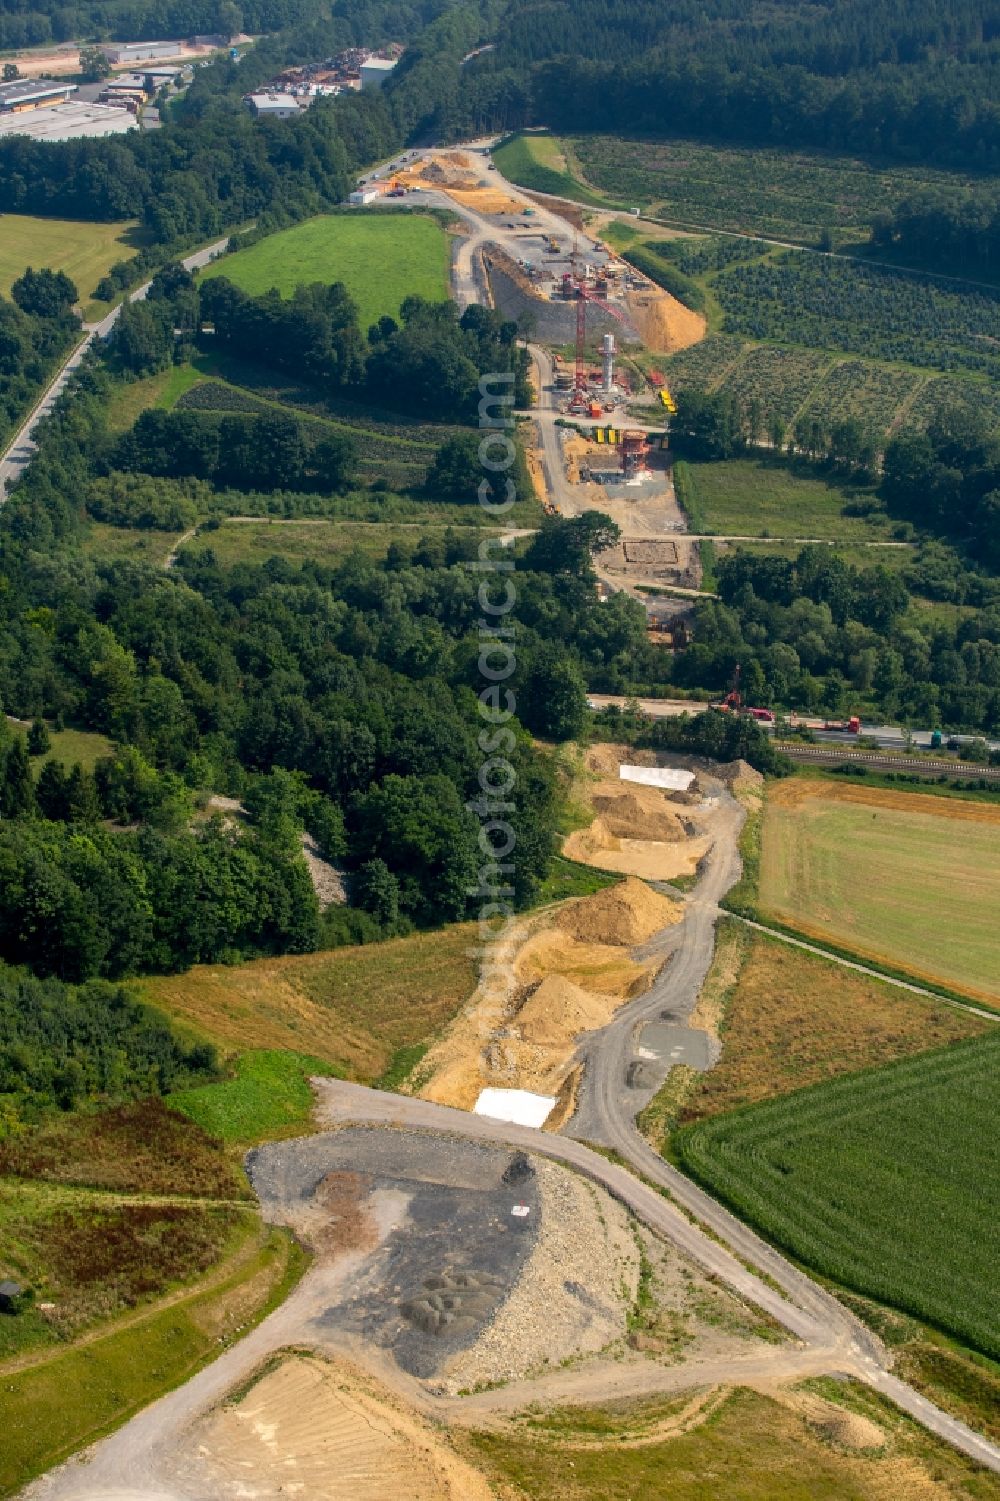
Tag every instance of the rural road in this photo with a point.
(18, 454)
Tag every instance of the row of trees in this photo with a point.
(430, 362)
(948, 480)
(718, 425)
(818, 635)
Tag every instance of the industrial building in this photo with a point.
(364, 195)
(32, 93)
(140, 52)
(273, 106)
(67, 122)
(375, 71)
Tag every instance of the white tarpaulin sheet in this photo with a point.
(658, 776)
(515, 1105)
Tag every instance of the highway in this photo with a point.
(19, 451)
(877, 736)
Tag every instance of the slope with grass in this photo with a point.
(380, 258)
(838, 1444)
(794, 1019)
(931, 887)
(884, 1180)
(350, 1008)
(537, 161)
(64, 1401)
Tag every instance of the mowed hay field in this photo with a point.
(884, 1180)
(909, 879)
(380, 258)
(84, 251)
(354, 1008)
(794, 1019)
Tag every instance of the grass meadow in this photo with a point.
(86, 252)
(903, 878)
(753, 498)
(380, 258)
(351, 1009)
(744, 1446)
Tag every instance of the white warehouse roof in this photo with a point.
(670, 777)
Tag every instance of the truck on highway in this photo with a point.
(850, 726)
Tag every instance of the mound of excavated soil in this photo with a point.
(573, 1295)
(651, 859)
(851, 1431)
(604, 760)
(631, 811)
(628, 913)
(593, 966)
(559, 1011)
(665, 324)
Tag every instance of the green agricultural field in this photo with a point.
(750, 497)
(793, 196)
(86, 252)
(884, 1180)
(380, 258)
(930, 892)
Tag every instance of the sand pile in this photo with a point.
(602, 967)
(630, 811)
(628, 913)
(664, 324)
(558, 1009)
(650, 859)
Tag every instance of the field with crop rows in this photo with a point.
(931, 892)
(783, 195)
(948, 390)
(780, 379)
(881, 1180)
(876, 395)
(702, 365)
(380, 258)
(827, 303)
(698, 255)
(400, 460)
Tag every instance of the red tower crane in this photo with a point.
(578, 281)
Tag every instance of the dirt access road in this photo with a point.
(140, 1462)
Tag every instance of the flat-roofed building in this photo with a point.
(33, 93)
(273, 106)
(375, 71)
(67, 122)
(140, 52)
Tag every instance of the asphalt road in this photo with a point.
(19, 452)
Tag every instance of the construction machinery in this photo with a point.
(575, 285)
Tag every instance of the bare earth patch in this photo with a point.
(317, 1430)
